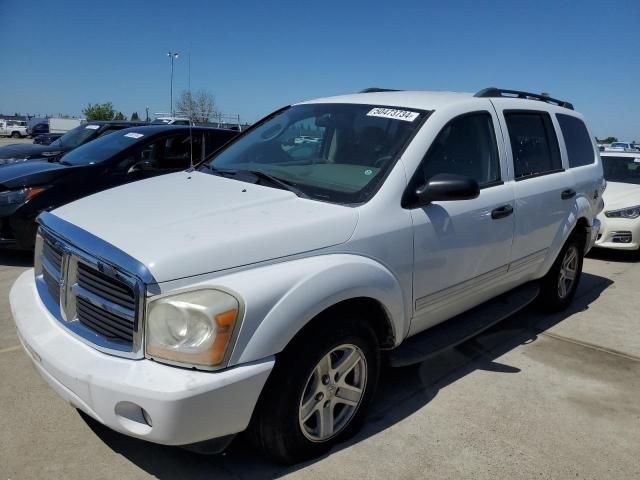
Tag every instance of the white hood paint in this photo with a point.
(190, 223)
(619, 195)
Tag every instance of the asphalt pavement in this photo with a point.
(534, 397)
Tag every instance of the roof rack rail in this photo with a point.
(376, 89)
(492, 92)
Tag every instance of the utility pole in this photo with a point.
(172, 56)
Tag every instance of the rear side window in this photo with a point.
(577, 140)
(465, 146)
(533, 143)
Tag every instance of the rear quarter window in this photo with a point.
(576, 138)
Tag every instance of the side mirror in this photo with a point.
(142, 165)
(443, 187)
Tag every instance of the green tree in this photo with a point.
(607, 140)
(135, 117)
(119, 116)
(99, 111)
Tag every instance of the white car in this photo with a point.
(260, 290)
(622, 147)
(13, 128)
(621, 216)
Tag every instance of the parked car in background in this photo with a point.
(67, 142)
(38, 128)
(621, 147)
(620, 219)
(259, 290)
(12, 128)
(171, 120)
(28, 188)
(46, 138)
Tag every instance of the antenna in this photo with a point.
(191, 115)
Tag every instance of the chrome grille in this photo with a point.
(110, 325)
(52, 266)
(107, 287)
(95, 300)
(104, 303)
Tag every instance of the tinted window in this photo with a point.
(465, 146)
(215, 139)
(577, 140)
(169, 152)
(621, 169)
(533, 143)
(77, 136)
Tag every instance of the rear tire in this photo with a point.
(319, 391)
(559, 285)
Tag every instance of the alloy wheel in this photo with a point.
(568, 272)
(333, 393)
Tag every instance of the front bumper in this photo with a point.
(140, 398)
(617, 228)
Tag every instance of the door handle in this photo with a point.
(567, 194)
(501, 212)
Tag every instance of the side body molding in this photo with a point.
(280, 299)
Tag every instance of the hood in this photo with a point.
(27, 151)
(37, 172)
(189, 223)
(619, 195)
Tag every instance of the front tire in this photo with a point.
(559, 285)
(16, 135)
(319, 391)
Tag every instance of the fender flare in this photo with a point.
(582, 209)
(282, 298)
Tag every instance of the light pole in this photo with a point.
(172, 56)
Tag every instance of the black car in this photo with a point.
(46, 138)
(28, 188)
(67, 142)
(40, 128)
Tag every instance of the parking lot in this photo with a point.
(9, 140)
(534, 397)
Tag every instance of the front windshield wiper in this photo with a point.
(261, 175)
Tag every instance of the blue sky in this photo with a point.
(255, 56)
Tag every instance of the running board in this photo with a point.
(462, 327)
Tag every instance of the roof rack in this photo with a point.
(376, 89)
(493, 92)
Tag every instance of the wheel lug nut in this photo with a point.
(325, 379)
(326, 404)
(319, 396)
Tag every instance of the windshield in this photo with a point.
(333, 152)
(75, 137)
(102, 149)
(622, 169)
(161, 121)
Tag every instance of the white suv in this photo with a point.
(261, 288)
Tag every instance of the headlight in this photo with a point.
(6, 161)
(192, 328)
(23, 195)
(631, 212)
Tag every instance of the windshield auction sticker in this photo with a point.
(134, 135)
(92, 127)
(405, 115)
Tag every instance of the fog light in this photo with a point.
(133, 418)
